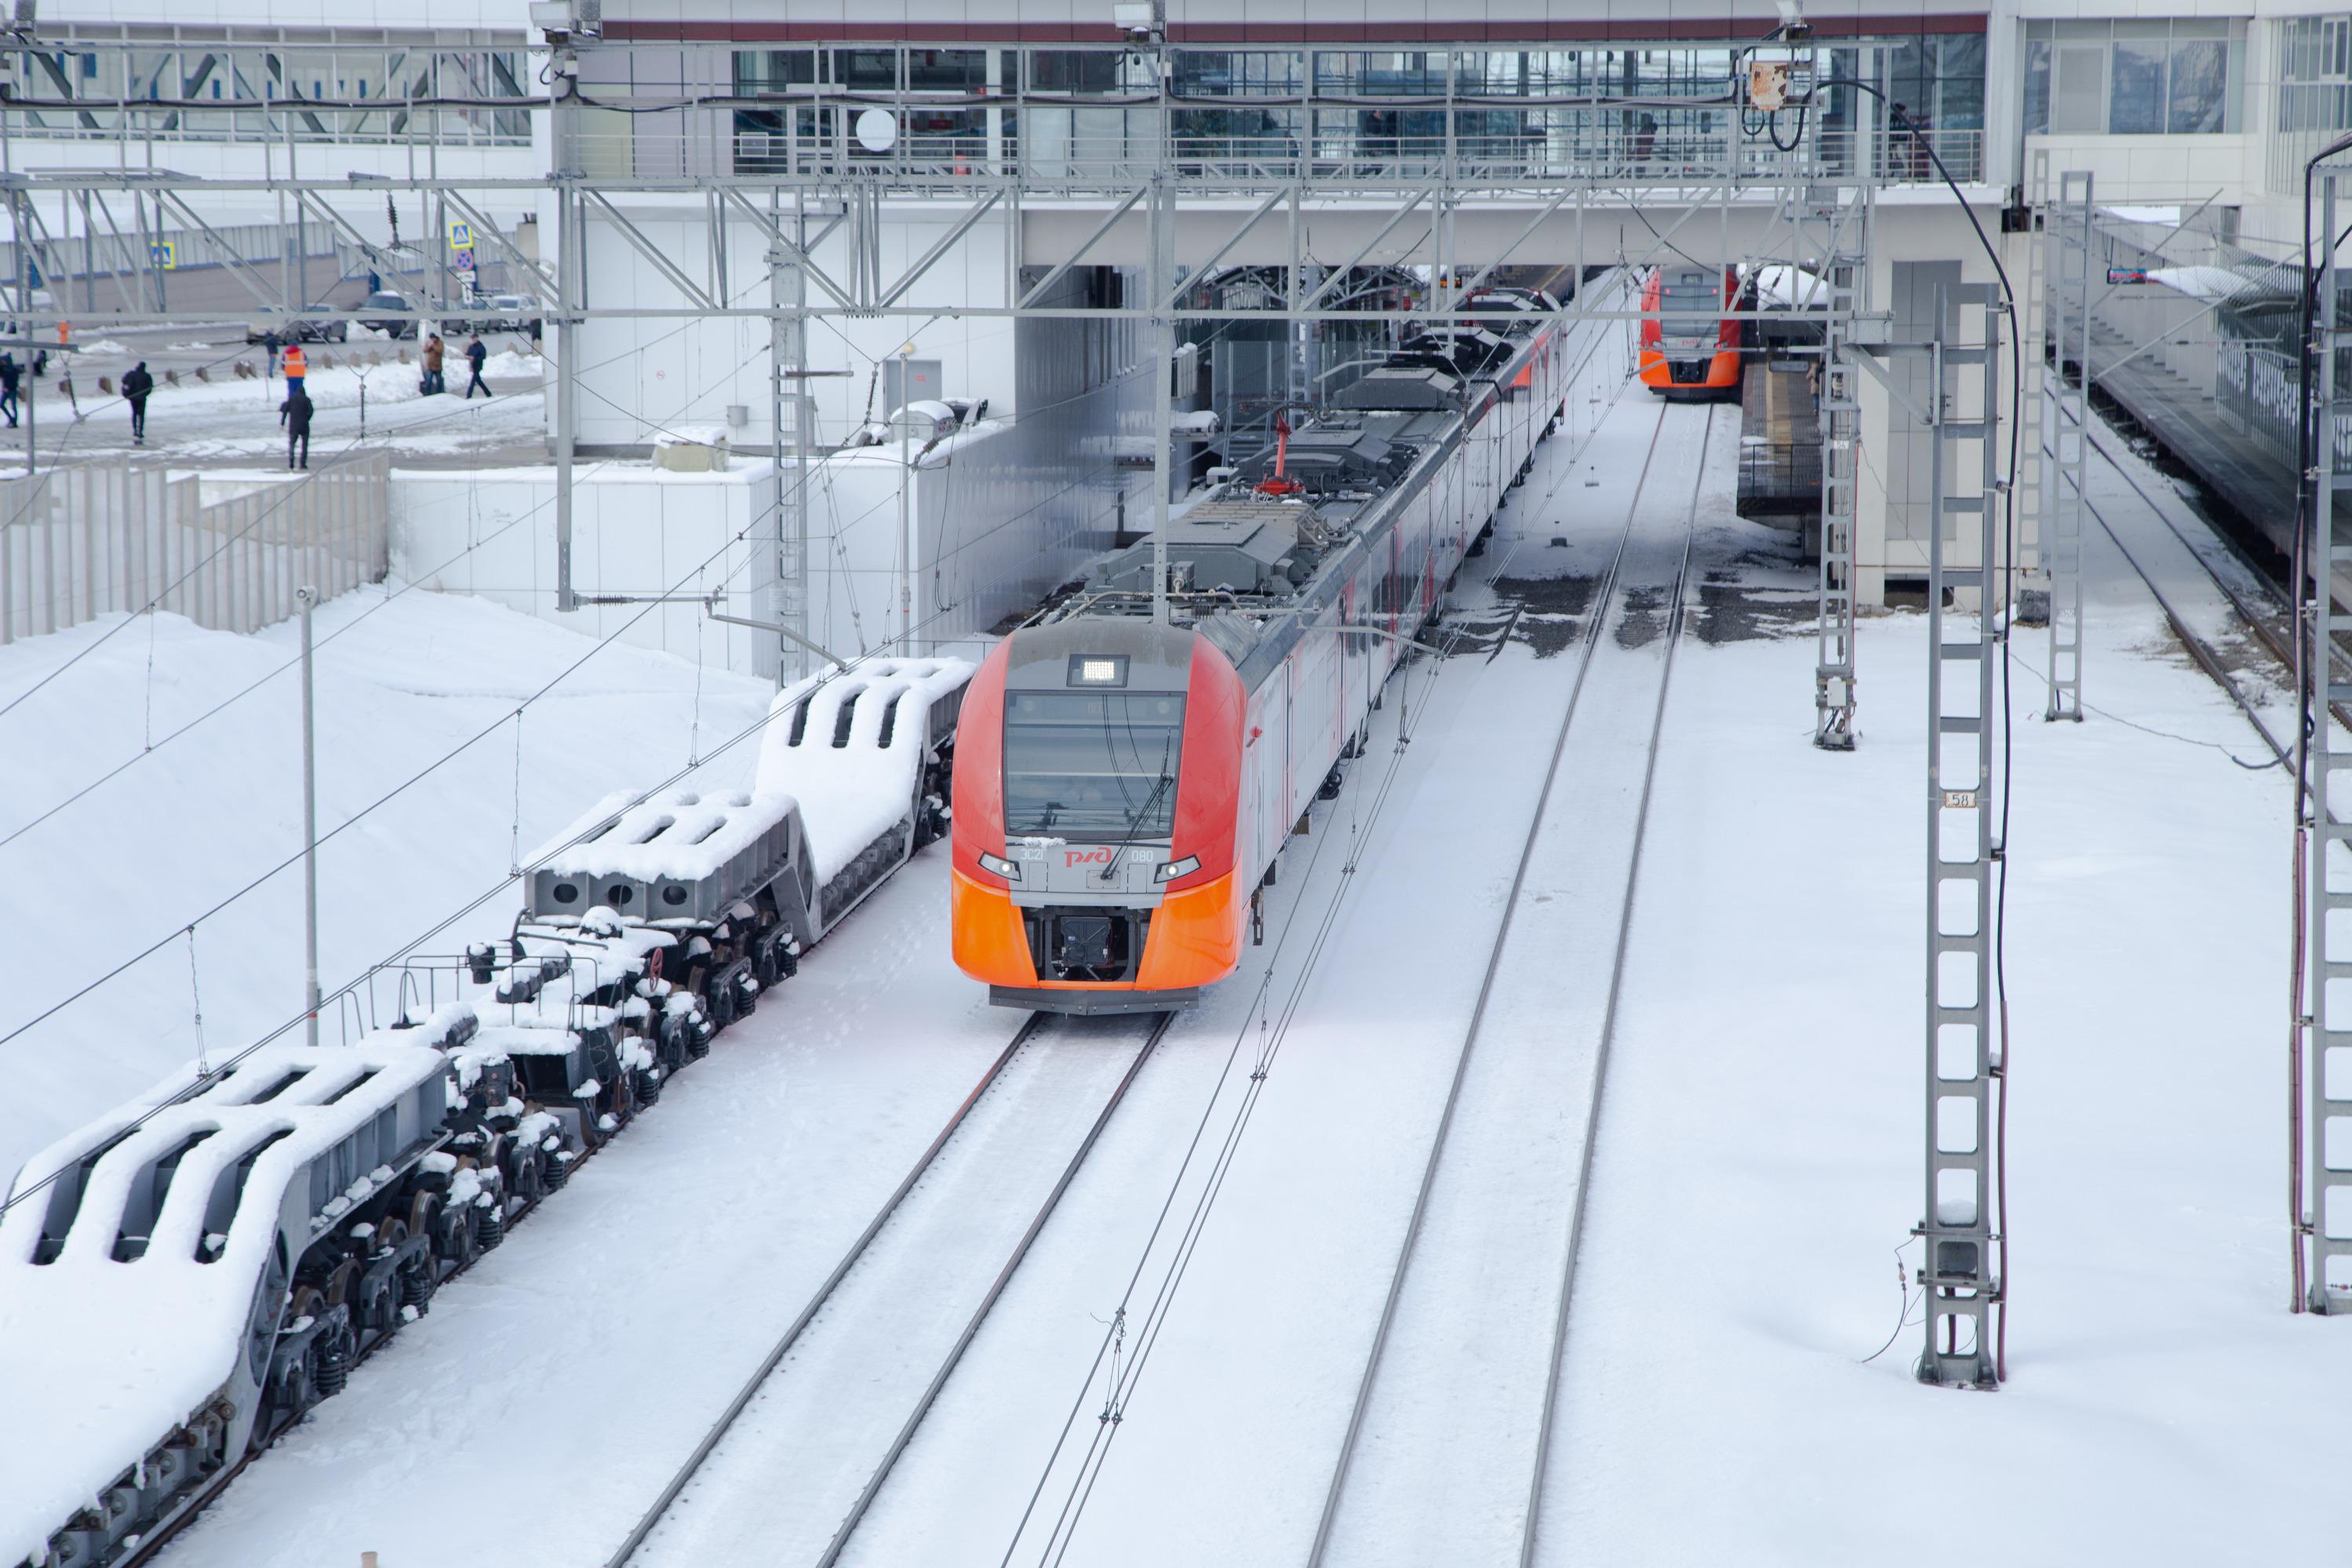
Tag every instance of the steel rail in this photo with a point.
(2198, 649)
(2251, 615)
(857, 1510)
(1604, 593)
(823, 1293)
(1675, 615)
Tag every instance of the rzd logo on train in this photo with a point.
(1102, 857)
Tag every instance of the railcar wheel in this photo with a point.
(453, 1235)
(530, 1179)
(337, 1287)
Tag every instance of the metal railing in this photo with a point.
(112, 538)
(1598, 154)
(1779, 478)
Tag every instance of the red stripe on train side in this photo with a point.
(979, 820)
(1209, 778)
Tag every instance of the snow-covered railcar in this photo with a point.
(1126, 785)
(182, 1279)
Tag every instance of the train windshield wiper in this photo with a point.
(1135, 821)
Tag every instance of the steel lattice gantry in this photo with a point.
(1845, 266)
(2067, 436)
(2322, 1067)
(1961, 1223)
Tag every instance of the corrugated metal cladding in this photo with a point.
(1262, 22)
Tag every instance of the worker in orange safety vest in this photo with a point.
(295, 369)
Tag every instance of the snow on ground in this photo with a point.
(1759, 1160)
(580, 1363)
(228, 418)
(1758, 1166)
(400, 681)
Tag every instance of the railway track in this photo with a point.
(2200, 649)
(1417, 1363)
(2268, 624)
(789, 1469)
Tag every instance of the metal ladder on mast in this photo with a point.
(2065, 437)
(1843, 265)
(1961, 1227)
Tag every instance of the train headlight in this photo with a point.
(1000, 866)
(1175, 869)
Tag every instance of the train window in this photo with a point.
(1092, 766)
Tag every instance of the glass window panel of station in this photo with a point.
(759, 72)
(2182, 75)
(947, 70)
(1076, 72)
(1238, 73)
(2136, 95)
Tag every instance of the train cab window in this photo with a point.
(1690, 306)
(1092, 766)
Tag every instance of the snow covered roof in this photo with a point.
(676, 833)
(678, 855)
(101, 1358)
(852, 758)
(2227, 286)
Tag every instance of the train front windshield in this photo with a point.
(1690, 307)
(1091, 765)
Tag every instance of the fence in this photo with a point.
(100, 538)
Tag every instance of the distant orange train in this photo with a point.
(1690, 350)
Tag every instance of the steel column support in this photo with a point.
(1961, 1225)
(2065, 452)
(1843, 267)
(1161, 284)
(2324, 1126)
(570, 235)
(787, 390)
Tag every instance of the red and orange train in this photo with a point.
(1124, 785)
(1690, 351)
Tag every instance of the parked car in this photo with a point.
(500, 313)
(387, 300)
(45, 306)
(319, 323)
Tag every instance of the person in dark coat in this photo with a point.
(136, 386)
(11, 374)
(475, 355)
(294, 414)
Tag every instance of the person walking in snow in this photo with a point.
(475, 355)
(136, 386)
(11, 374)
(294, 414)
(295, 367)
(434, 349)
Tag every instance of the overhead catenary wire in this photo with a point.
(284, 494)
(22, 1193)
(405, 589)
(1154, 1314)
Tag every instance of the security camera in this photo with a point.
(1793, 29)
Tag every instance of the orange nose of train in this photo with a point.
(1096, 818)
